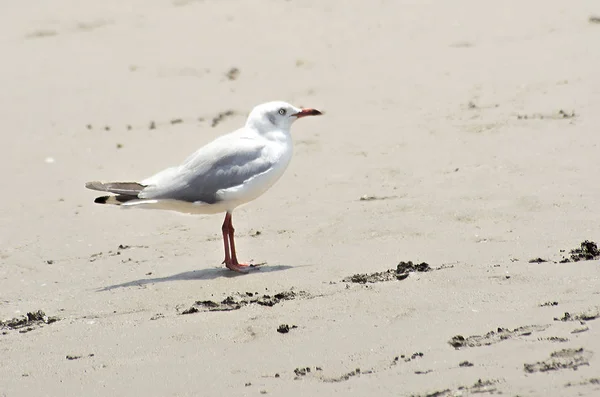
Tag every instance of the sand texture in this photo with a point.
(426, 239)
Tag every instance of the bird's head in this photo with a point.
(277, 115)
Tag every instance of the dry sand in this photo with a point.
(455, 117)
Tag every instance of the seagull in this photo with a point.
(232, 170)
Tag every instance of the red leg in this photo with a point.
(233, 264)
(225, 229)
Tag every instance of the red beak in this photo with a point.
(307, 112)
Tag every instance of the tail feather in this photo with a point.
(124, 191)
(125, 188)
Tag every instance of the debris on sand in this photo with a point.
(345, 376)
(72, 357)
(284, 328)
(406, 267)
(121, 247)
(492, 337)
(28, 322)
(412, 357)
(561, 114)
(587, 251)
(437, 393)
(233, 74)
(376, 277)
(479, 387)
(589, 315)
(580, 330)
(303, 372)
(562, 359)
(549, 303)
(591, 381)
(239, 300)
(368, 197)
(537, 260)
(566, 115)
(556, 339)
(405, 358)
(400, 273)
(221, 116)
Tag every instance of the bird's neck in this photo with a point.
(275, 134)
(278, 135)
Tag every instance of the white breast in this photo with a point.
(280, 151)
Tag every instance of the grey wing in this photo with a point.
(218, 166)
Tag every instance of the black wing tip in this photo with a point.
(117, 200)
(101, 200)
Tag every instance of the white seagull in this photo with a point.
(230, 171)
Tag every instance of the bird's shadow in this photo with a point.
(202, 274)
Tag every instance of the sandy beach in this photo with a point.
(459, 136)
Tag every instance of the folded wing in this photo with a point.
(222, 164)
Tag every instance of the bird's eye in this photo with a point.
(282, 112)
